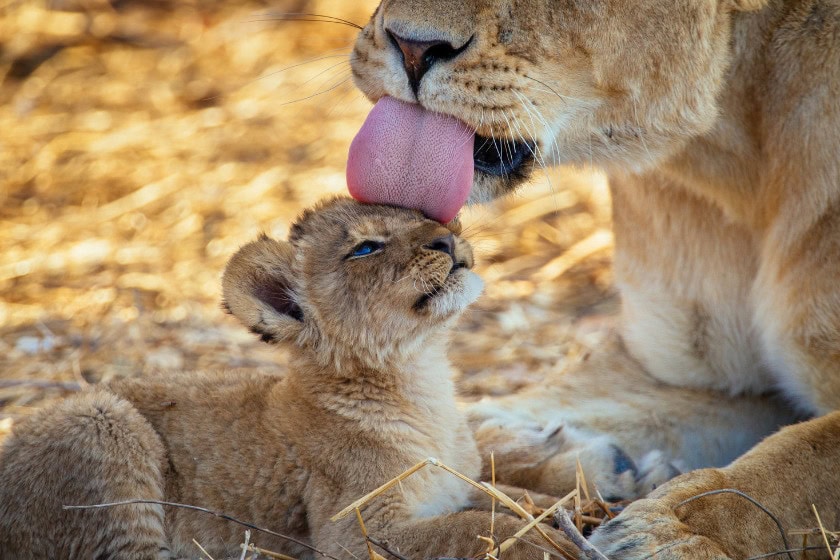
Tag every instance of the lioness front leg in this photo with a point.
(786, 474)
(630, 432)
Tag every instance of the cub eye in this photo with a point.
(365, 248)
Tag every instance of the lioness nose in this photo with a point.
(444, 244)
(419, 56)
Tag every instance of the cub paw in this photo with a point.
(650, 529)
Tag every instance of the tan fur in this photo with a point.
(368, 394)
(779, 474)
(717, 121)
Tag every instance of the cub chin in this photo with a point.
(362, 297)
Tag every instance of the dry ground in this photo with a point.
(141, 143)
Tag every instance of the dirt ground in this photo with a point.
(141, 143)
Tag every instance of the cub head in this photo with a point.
(619, 84)
(354, 282)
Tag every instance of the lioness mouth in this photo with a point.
(500, 157)
(405, 155)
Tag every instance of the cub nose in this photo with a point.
(419, 56)
(444, 244)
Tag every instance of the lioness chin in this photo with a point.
(363, 297)
(718, 122)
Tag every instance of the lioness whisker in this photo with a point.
(534, 110)
(535, 151)
(309, 61)
(552, 90)
(344, 103)
(325, 70)
(493, 139)
(512, 134)
(304, 16)
(331, 88)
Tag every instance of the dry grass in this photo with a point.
(585, 515)
(142, 144)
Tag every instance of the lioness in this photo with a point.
(717, 122)
(363, 296)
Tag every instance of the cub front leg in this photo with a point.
(785, 474)
(392, 520)
(456, 535)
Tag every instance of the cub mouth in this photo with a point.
(453, 282)
(500, 157)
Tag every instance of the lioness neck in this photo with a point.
(725, 165)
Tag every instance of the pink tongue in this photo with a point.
(407, 156)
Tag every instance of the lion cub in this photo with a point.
(363, 296)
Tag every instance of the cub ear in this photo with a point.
(259, 289)
(749, 5)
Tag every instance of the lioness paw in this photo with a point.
(521, 446)
(649, 529)
(607, 467)
(655, 469)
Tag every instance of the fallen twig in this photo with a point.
(382, 545)
(570, 529)
(750, 499)
(831, 553)
(533, 524)
(224, 516)
(786, 551)
(483, 486)
(201, 548)
(245, 545)
(270, 553)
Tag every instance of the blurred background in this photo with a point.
(142, 142)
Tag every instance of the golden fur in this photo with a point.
(717, 122)
(368, 394)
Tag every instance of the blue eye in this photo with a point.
(366, 248)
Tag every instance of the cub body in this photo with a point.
(363, 297)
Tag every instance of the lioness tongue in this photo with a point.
(407, 156)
